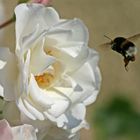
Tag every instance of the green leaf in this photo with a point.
(22, 1)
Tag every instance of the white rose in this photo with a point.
(53, 74)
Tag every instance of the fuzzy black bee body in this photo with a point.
(125, 47)
(121, 45)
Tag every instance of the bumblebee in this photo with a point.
(125, 47)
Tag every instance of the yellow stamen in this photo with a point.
(49, 52)
(45, 80)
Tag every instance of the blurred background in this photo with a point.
(116, 113)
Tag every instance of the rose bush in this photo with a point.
(53, 74)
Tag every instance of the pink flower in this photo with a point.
(14, 133)
(45, 2)
(5, 131)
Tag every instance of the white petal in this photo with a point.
(8, 73)
(23, 78)
(59, 107)
(38, 95)
(72, 121)
(79, 111)
(71, 55)
(60, 103)
(90, 80)
(61, 120)
(79, 30)
(71, 89)
(93, 61)
(72, 48)
(92, 98)
(83, 124)
(40, 61)
(29, 15)
(67, 91)
(53, 101)
(85, 76)
(75, 118)
(39, 125)
(28, 41)
(24, 110)
(58, 35)
(66, 85)
(33, 110)
(24, 132)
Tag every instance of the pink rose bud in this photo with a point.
(45, 2)
(22, 132)
(5, 131)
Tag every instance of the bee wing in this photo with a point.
(105, 45)
(135, 38)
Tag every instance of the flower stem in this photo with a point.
(4, 24)
(11, 20)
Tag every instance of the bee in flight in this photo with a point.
(125, 47)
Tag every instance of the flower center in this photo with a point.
(52, 74)
(45, 80)
(49, 52)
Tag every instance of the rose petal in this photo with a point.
(79, 111)
(28, 41)
(38, 95)
(59, 107)
(45, 2)
(29, 15)
(90, 80)
(23, 65)
(8, 74)
(32, 108)
(24, 110)
(40, 61)
(79, 30)
(58, 35)
(72, 58)
(5, 131)
(37, 124)
(70, 122)
(50, 101)
(24, 132)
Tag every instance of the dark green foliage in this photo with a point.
(22, 1)
(117, 119)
